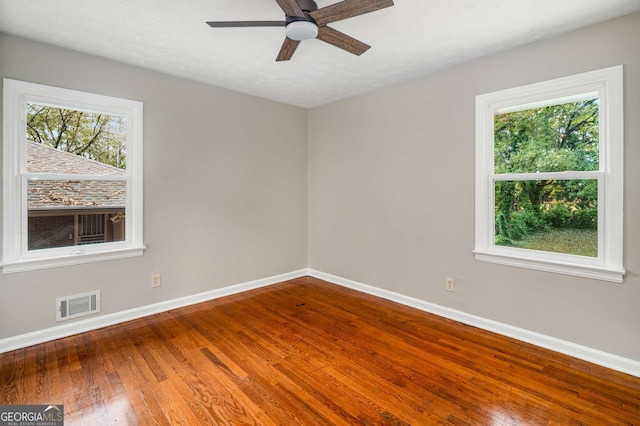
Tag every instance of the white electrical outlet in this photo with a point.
(450, 284)
(156, 280)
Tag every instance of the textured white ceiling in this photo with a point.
(410, 39)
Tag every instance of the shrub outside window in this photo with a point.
(549, 176)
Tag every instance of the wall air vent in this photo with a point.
(79, 305)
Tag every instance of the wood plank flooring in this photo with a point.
(306, 352)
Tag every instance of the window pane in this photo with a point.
(554, 138)
(70, 141)
(559, 216)
(66, 213)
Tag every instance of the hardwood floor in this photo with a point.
(306, 352)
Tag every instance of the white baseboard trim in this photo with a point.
(595, 356)
(94, 323)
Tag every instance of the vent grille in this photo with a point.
(78, 305)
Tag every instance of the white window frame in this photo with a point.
(607, 85)
(15, 255)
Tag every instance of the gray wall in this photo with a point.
(225, 192)
(391, 190)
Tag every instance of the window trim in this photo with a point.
(607, 83)
(15, 255)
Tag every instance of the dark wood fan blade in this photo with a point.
(341, 40)
(347, 9)
(290, 8)
(232, 24)
(288, 48)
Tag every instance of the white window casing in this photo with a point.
(607, 85)
(16, 257)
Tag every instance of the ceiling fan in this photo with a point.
(304, 21)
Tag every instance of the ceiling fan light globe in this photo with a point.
(301, 30)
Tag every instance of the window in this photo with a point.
(549, 176)
(72, 177)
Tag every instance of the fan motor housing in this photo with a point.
(307, 5)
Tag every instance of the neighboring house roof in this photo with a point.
(71, 194)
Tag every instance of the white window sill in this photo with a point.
(23, 265)
(602, 273)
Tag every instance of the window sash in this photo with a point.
(598, 261)
(73, 250)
